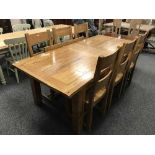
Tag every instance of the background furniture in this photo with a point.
(116, 29)
(6, 25)
(20, 27)
(18, 51)
(134, 28)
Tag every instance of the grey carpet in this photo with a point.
(133, 114)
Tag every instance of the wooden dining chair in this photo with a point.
(116, 29)
(37, 41)
(98, 90)
(134, 28)
(20, 27)
(81, 30)
(62, 34)
(18, 51)
(134, 56)
(118, 77)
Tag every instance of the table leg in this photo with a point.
(36, 90)
(78, 110)
(2, 76)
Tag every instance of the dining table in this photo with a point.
(19, 34)
(68, 70)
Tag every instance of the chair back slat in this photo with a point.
(81, 28)
(62, 32)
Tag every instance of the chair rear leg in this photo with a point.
(2, 76)
(16, 74)
(89, 117)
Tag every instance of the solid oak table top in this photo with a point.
(143, 27)
(19, 34)
(71, 67)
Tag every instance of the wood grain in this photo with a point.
(69, 68)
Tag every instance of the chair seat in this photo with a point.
(118, 77)
(98, 95)
(132, 65)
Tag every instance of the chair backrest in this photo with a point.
(102, 75)
(81, 28)
(123, 59)
(48, 22)
(1, 30)
(17, 48)
(26, 26)
(138, 48)
(20, 27)
(134, 27)
(34, 40)
(61, 33)
(116, 29)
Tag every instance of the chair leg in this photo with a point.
(7, 68)
(121, 87)
(89, 117)
(2, 76)
(103, 107)
(110, 98)
(16, 74)
(130, 76)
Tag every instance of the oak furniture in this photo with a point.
(134, 56)
(116, 29)
(81, 29)
(120, 69)
(134, 28)
(35, 40)
(62, 34)
(68, 70)
(99, 88)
